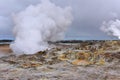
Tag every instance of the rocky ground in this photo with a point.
(87, 60)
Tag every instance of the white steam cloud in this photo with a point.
(36, 25)
(112, 28)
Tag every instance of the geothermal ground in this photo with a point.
(68, 60)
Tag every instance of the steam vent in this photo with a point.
(59, 39)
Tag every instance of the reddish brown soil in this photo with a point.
(4, 49)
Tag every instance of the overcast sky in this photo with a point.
(88, 16)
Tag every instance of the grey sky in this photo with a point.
(88, 16)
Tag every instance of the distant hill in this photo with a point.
(5, 41)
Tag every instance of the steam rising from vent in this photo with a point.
(112, 28)
(37, 25)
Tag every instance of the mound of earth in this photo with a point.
(86, 60)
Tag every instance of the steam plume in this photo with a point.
(37, 25)
(112, 28)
